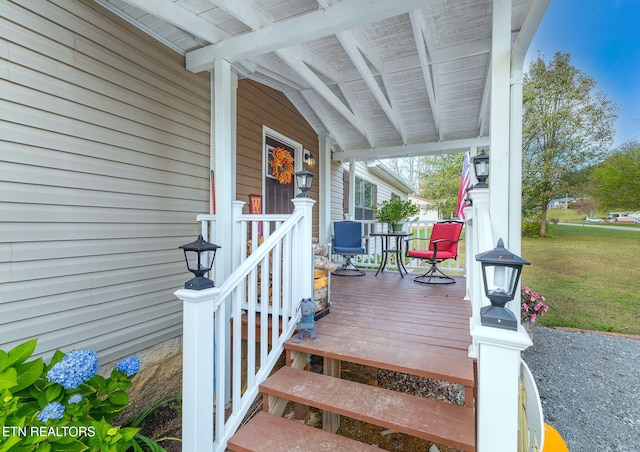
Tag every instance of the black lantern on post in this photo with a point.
(199, 256)
(481, 168)
(504, 269)
(304, 179)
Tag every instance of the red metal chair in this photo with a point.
(443, 245)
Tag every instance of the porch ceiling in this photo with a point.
(383, 78)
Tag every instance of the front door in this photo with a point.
(278, 193)
(278, 196)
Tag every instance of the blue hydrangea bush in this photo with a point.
(65, 405)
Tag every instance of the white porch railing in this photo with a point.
(217, 393)
(419, 229)
(498, 350)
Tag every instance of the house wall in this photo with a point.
(384, 189)
(258, 106)
(104, 164)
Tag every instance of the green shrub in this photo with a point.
(65, 405)
(530, 228)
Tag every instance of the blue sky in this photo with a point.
(603, 38)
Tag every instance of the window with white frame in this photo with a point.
(365, 199)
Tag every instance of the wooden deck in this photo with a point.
(390, 323)
(388, 308)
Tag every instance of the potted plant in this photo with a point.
(394, 211)
(532, 306)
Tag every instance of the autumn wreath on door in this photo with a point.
(282, 165)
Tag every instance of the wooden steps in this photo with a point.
(433, 362)
(430, 420)
(423, 418)
(266, 432)
(384, 323)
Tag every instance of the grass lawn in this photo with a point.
(589, 276)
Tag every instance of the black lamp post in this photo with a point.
(481, 168)
(505, 268)
(199, 256)
(304, 179)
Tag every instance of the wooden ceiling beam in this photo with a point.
(314, 81)
(411, 150)
(418, 26)
(318, 24)
(358, 60)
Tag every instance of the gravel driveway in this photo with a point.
(589, 384)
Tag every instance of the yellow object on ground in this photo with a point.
(553, 442)
(320, 282)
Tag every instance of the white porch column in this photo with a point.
(498, 374)
(480, 241)
(223, 151)
(223, 165)
(239, 242)
(352, 190)
(515, 166)
(515, 172)
(520, 47)
(469, 246)
(303, 288)
(324, 187)
(499, 152)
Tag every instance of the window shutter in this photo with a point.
(345, 192)
(375, 200)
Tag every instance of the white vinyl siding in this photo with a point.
(383, 189)
(104, 165)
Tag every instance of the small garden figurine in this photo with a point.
(307, 322)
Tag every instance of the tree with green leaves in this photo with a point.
(615, 183)
(441, 180)
(566, 126)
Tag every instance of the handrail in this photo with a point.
(210, 373)
(261, 252)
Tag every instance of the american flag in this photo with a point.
(465, 181)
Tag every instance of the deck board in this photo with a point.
(388, 307)
(396, 324)
(416, 416)
(267, 432)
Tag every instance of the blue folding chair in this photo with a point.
(347, 240)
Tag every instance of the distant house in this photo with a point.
(560, 203)
(428, 211)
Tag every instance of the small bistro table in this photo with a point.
(387, 248)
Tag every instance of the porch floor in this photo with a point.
(387, 308)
